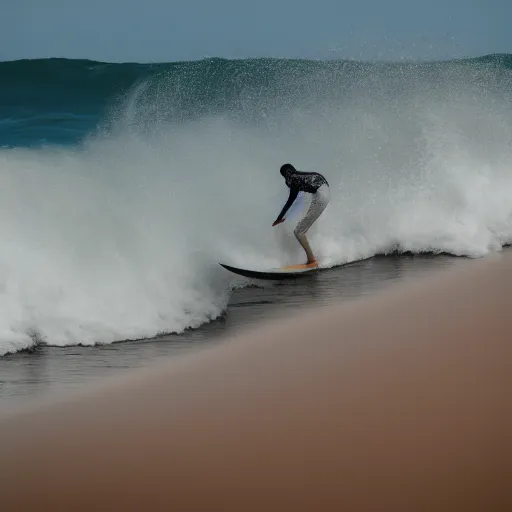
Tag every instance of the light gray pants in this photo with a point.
(319, 201)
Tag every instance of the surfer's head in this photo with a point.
(286, 170)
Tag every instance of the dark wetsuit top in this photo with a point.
(299, 181)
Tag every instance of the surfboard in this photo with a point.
(290, 272)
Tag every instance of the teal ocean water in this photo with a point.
(124, 185)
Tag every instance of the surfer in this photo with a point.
(316, 185)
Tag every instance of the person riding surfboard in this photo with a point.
(312, 183)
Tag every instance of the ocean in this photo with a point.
(124, 185)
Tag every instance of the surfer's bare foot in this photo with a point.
(312, 263)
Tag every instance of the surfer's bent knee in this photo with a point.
(298, 233)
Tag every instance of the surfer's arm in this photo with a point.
(294, 192)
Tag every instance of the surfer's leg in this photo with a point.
(303, 241)
(318, 204)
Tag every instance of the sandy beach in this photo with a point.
(401, 403)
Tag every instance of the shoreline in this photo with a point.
(400, 399)
(49, 369)
(171, 334)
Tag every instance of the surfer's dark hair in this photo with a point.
(287, 169)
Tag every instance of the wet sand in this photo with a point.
(394, 401)
(49, 370)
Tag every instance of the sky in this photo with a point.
(174, 30)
